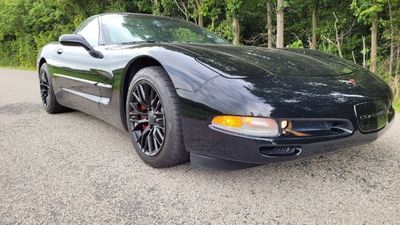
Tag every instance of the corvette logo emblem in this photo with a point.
(350, 82)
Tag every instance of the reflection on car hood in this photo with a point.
(290, 75)
(256, 62)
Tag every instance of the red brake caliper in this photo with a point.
(143, 109)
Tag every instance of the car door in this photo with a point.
(75, 72)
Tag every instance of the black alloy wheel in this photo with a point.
(44, 88)
(147, 118)
(153, 118)
(47, 95)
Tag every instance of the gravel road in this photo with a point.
(72, 168)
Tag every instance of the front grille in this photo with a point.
(280, 151)
(302, 128)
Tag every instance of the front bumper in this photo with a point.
(203, 141)
(288, 99)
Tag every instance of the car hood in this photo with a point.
(301, 70)
(311, 80)
(257, 62)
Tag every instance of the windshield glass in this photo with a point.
(126, 28)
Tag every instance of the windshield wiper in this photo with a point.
(137, 42)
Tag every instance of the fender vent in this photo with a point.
(280, 151)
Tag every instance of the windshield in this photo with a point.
(130, 28)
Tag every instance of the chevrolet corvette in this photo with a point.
(183, 93)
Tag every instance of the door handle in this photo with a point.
(59, 51)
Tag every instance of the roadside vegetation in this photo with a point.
(366, 32)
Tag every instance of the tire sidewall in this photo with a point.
(172, 139)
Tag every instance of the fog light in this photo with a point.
(284, 124)
(252, 126)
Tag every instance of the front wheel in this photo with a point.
(47, 95)
(153, 118)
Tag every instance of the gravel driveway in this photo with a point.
(72, 168)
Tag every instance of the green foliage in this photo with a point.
(296, 44)
(224, 29)
(145, 6)
(396, 104)
(27, 25)
(233, 7)
(366, 9)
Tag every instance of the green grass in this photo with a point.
(18, 67)
(396, 104)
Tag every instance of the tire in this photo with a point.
(163, 119)
(49, 101)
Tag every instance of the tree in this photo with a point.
(233, 7)
(214, 14)
(183, 7)
(280, 24)
(314, 22)
(374, 43)
(367, 11)
(156, 7)
(269, 24)
(392, 35)
(201, 6)
(338, 39)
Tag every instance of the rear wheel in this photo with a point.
(153, 119)
(47, 95)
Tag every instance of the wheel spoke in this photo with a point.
(135, 108)
(150, 142)
(159, 121)
(157, 140)
(142, 137)
(161, 128)
(44, 88)
(146, 144)
(160, 135)
(42, 76)
(152, 97)
(137, 98)
(142, 93)
(156, 144)
(157, 108)
(45, 77)
(138, 123)
(137, 113)
(147, 98)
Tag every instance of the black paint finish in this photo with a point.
(225, 79)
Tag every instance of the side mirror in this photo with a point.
(78, 40)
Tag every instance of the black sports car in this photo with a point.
(182, 91)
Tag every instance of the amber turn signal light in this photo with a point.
(245, 125)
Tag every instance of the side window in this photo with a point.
(90, 31)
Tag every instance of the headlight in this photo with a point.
(252, 126)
